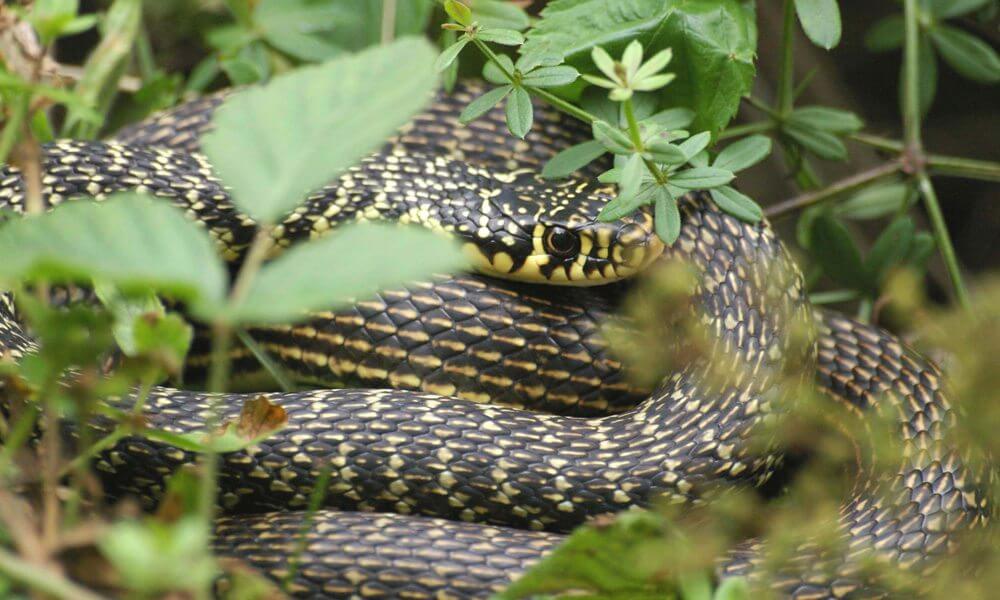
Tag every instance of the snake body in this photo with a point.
(458, 498)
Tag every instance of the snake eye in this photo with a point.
(561, 242)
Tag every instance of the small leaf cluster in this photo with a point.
(968, 55)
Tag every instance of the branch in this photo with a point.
(941, 164)
(835, 189)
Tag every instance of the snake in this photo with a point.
(490, 417)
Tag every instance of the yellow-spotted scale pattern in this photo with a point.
(415, 453)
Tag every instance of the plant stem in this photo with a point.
(786, 83)
(388, 30)
(567, 107)
(273, 368)
(748, 129)
(46, 581)
(636, 135)
(911, 77)
(316, 498)
(17, 436)
(19, 112)
(834, 189)
(943, 238)
(942, 164)
(833, 297)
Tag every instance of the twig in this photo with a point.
(943, 238)
(942, 164)
(388, 21)
(835, 189)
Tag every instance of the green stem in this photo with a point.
(748, 129)
(943, 238)
(636, 135)
(911, 77)
(834, 296)
(19, 112)
(39, 579)
(786, 83)
(557, 102)
(865, 310)
(942, 164)
(315, 501)
(835, 189)
(273, 368)
(18, 435)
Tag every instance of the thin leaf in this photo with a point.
(701, 178)
(820, 20)
(666, 217)
(504, 37)
(551, 76)
(492, 72)
(520, 113)
(449, 54)
(612, 138)
(696, 144)
(947, 9)
(352, 263)
(890, 249)
(886, 34)
(482, 105)
(666, 153)
(826, 119)
(832, 247)
(458, 11)
(743, 154)
(821, 143)
(672, 118)
(967, 54)
(737, 204)
(572, 159)
(271, 145)
(875, 201)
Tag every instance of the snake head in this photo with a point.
(559, 240)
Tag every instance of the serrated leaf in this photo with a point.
(353, 262)
(874, 202)
(713, 42)
(504, 37)
(970, 56)
(695, 144)
(891, 248)
(666, 217)
(820, 20)
(130, 241)
(449, 54)
(834, 249)
(701, 178)
(886, 34)
(573, 158)
(821, 143)
(743, 154)
(826, 119)
(612, 138)
(520, 113)
(551, 76)
(271, 144)
(484, 103)
(737, 204)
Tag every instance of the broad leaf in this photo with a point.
(132, 242)
(714, 42)
(520, 113)
(666, 217)
(304, 28)
(273, 145)
(353, 262)
(820, 20)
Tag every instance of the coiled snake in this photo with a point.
(434, 495)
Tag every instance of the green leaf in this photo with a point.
(481, 105)
(891, 248)
(832, 247)
(153, 558)
(735, 588)
(886, 34)
(821, 143)
(504, 37)
(98, 85)
(820, 20)
(458, 11)
(666, 217)
(744, 153)
(572, 159)
(304, 29)
(493, 74)
(670, 119)
(928, 74)
(612, 138)
(130, 241)
(695, 586)
(551, 76)
(946, 9)
(271, 145)
(921, 250)
(701, 178)
(630, 188)
(826, 119)
(631, 178)
(695, 144)
(165, 338)
(501, 14)
(449, 54)
(353, 262)
(875, 201)
(125, 311)
(967, 54)
(520, 113)
(737, 204)
(666, 153)
(241, 71)
(714, 44)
